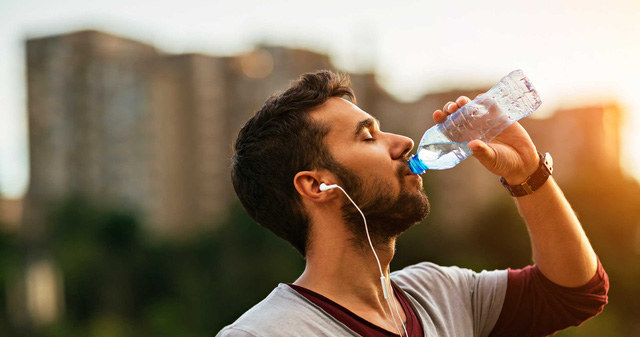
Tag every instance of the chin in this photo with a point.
(389, 218)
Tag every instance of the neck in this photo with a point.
(348, 273)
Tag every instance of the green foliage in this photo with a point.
(117, 282)
(8, 267)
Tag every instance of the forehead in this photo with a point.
(340, 115)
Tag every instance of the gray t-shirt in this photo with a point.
(449, 301)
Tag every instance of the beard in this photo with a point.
(387, 215)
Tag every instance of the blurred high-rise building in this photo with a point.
(586, 140)
(88, 104)
(116, 120)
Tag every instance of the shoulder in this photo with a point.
(430, 276)
(280, 305)
(459, 300)
(282, 309)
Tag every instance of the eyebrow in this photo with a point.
(365, 124)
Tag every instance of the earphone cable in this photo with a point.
(395, 304)
(383, 279)
(367, 231)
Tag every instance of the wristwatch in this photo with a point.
(535, 181)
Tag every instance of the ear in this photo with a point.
(307, 183)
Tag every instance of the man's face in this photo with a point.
(372, 167)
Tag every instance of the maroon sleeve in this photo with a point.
(535, 306)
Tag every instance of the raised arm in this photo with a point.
(561, 249)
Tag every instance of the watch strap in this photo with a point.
(535, 180)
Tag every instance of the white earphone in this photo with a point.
(386, 286)
(325, 187)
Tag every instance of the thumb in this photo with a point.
(485, 154)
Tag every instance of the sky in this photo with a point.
(575, 52)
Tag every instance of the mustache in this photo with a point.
(403, 166)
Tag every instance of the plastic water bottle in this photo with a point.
(444, 145)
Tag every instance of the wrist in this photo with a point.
(518, 186)
(518, 178)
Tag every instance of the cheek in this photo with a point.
(382, 163)
(384, 178)
(361, 159)
(375, 155)
(370, 162)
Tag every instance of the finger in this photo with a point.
(451, 108)
(462, 100)
(446, 107)
(439, 116)
(485, 154)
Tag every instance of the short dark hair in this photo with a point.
(279, 141)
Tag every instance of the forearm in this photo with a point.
(561, 249)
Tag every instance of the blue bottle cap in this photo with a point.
(416, 165)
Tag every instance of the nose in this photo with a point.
(401, 146)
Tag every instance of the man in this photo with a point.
(314, 134)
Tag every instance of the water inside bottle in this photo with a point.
(441, 156)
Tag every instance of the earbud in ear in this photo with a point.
(325, 187)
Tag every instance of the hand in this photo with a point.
(511, 154)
